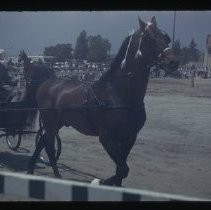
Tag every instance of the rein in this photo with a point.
(102, 106)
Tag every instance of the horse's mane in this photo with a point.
(116, 63)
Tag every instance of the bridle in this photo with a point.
(137, 56)
(138, 52)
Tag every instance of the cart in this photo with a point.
(13, 124)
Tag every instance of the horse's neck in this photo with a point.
(26, 63)
(139, 86)
(123, 89)
(35, 83)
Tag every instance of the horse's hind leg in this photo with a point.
(118, 150)
(50, 150)
(38, 149)
(49, 120)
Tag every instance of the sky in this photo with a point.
(33, 31)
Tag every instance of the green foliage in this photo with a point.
(187, 54)
(92, 48)
(194, 52)
(98, 49)
(177, 48)
(81, 47)
(62, 52)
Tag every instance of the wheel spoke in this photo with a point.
(13, 141)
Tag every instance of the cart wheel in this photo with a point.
(43, 155)
(13, 141)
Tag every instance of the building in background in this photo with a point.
(2, 54)
(207, 54)
(42, 58)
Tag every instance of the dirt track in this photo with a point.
(172, 153)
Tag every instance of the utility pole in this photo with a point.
(174, 28)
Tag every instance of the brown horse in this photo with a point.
(40, 74)
(112, 107)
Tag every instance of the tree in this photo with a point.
(185, 55)
(194, 52)
(98, 48)
(81, 47)
(62, 52)
(177, 48)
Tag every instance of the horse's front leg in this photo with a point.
(118, 150)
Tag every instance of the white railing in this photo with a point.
(51, 189)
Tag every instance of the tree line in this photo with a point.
(91, 48)
(97, 49)
(187, 54)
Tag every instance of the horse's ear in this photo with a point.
(153, 21)
(142, 24)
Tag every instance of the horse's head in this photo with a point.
(36, 73)
(148, 45)
(23, 57)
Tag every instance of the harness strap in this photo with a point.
(128, 46)
(139, 53)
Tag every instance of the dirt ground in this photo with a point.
(172, 152)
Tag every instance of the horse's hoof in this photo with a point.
(58, 176)
(96, 181)
(111, 182)
(29, 172)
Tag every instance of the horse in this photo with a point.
(111, 108)
(5, 79)
(41, 73)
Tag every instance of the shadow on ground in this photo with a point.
(15, 162)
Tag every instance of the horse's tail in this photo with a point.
(31, 118)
